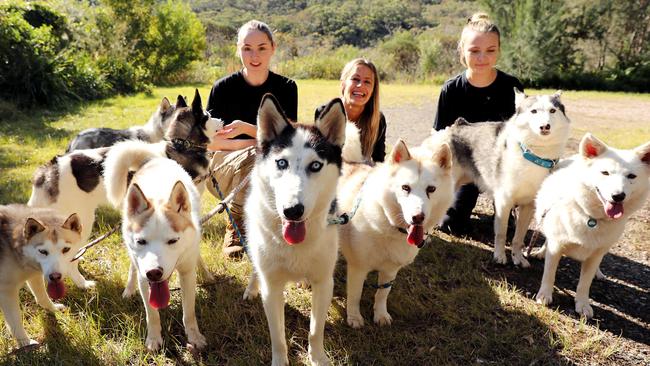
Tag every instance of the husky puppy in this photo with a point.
(161, 231)
(293, 188)
(509, 160)
(74, 182)
(582, 209)
(397, 202)
(36, 245)
(152, 131)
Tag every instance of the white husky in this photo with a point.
(161, 231)
(36, 244)
(509, 160)
(582, 209)
(293, 188)
(397, 202)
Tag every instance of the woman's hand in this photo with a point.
(223, 139)
(237, 128)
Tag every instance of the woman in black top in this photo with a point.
(360, 94)
(236, 99)
(479, 94)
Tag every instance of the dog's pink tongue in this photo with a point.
(415, 234)
(294, 231)
(55, 289)
(159, 294)
(614, 210)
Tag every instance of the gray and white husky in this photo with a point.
(582, 209)
(293, 189)
(509, 160)
(36, 245)
(152, 131)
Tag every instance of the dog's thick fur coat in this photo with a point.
(399, 201)
(36, 245)
(582, 209)
(293, 187)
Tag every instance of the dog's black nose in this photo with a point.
(618, 197)
(55, 277)
(418, 219)
(546, 127)
(294, 213)
(155, 274)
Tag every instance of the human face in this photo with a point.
(358, 87)
(256, 51)
(481, 51)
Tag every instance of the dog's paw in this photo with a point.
(519, 260)
(355, 321)
(57, 307)
(280, 360)
(584, 309)
(500, 257)
(26, 342)
(251, 294)
(153, 342)
(383, 318)
(544, 297)
(87, 285)
(196, 339)
(128, 292)
(319, 358)
(600, 275)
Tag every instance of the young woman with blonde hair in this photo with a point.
(478, 94)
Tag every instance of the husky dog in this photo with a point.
(161, 231)
(74, 182)
(36, 245)
(397, 202)
(509, 160)
(582, 209)
(293, 188)
(152, 131)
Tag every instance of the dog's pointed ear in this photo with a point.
(591, 147)
(557, 94)
(179, 199)
(136, 202)
(197, 105)
(643, 152)
(331, 122)
(164, 105)
(443, 157)
(32, 227)
(180, 102)
(399, 153)
(73, 223)
(519, 97)
(271, 120)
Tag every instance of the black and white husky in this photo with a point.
(74, 182)
(152, 131)
(509, 160)
(293, 188)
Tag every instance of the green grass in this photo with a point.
(450, 307)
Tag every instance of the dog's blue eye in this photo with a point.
(172, 241)
(43, 251)
(631, 176)
(533, 111)
(65, 250)
(315, 166)
(604, 172)
(141, 242)
(282, 164)
(406, 188)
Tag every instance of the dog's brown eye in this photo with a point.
(552, 110)
(631, 176)
(172, 241)
(604, 172)
(406, 188)
(141, 242)
(65, 250)
(43, 251)
(533, 111)
(431, 189)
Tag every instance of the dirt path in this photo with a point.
(622, 302)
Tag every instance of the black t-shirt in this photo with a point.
(379, 150)
(232, 98)
(459, 98)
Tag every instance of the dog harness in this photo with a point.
(530, 156)
(345, 217)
